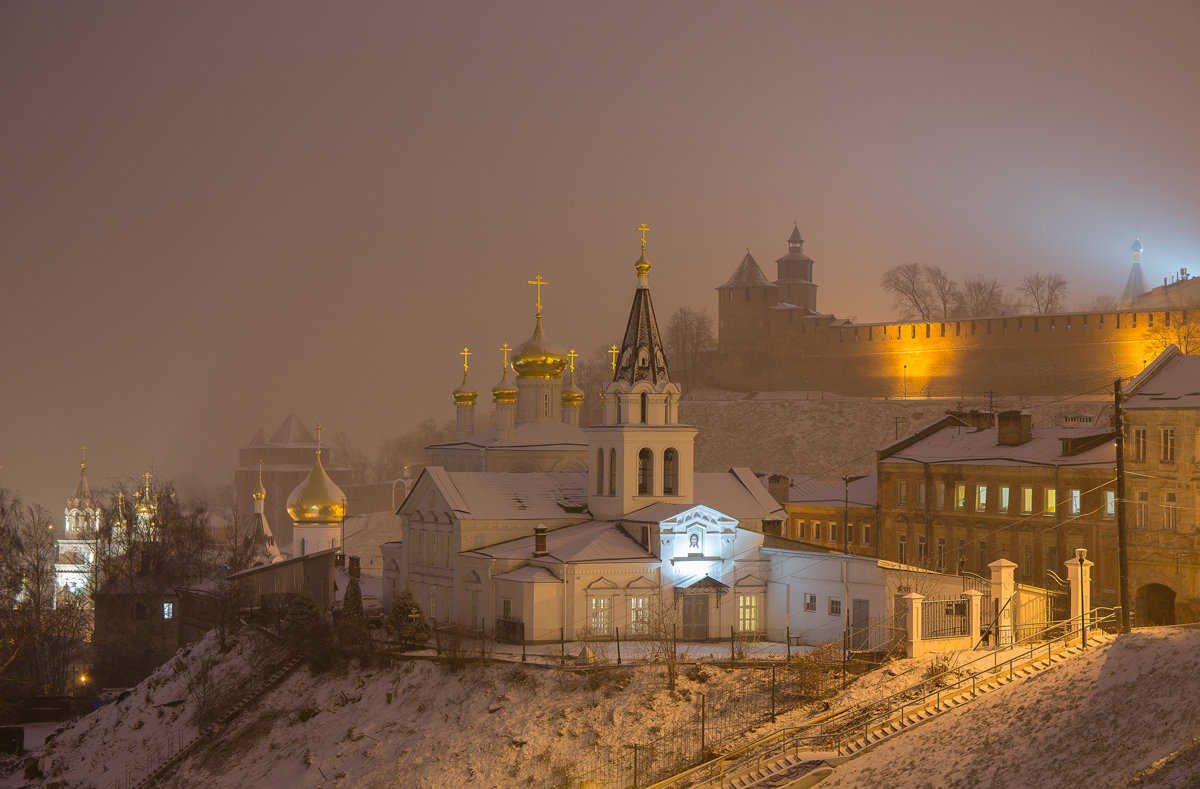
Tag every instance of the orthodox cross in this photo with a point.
(538, 282)
(465, 353)
(504, 349)
(572, 356)
(318, 438)
(643, 227)
(260, 471)
(83, 460)
(613, 351)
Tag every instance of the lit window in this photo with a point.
(599, 616)
(810, 602)
(835, 606)
(1076, 502)
(1004, 498)
(1051, 501)
(748, 613)
(168, 610)
(1026, 500)
(980, 498)
(1110, 503)
(960, 496)
(1166, 438)
(639, 615)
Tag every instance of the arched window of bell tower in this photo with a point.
(645, 469)
(612, 472)
(645, 406)
(599, 472)
(671, 472)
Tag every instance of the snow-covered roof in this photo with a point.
(528, 435)
(737, 493)
(810, 490)
(592, 541)
(977, 446)
(1171, 381)
(496, 495)
(530, 575)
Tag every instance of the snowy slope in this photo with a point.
(1093, 721)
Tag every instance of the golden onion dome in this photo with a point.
(464, 395)
(260, 492)
(317, 499)
(572, 394)
(535, 358)
(642, 266)
(504, 392)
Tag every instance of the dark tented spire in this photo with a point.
(642, 357)
(747, 273)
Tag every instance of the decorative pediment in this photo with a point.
(749, 581)
(472, 577)
(601, 583)
(712, 520)
(641, 582)
(707, 584)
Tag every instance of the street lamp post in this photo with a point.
(1081, 555)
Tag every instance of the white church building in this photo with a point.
(553, 554)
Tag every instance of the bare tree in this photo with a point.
(660, 629)
(1184, 334)
(592, 374)
(982, 297)
(1046, 292)
(1101, 303)
(944, 292)
(910, 286)
(409, 449)
(689, 333)
(347, 455)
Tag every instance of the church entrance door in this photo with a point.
(695, 617)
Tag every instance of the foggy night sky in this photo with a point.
(212, 212)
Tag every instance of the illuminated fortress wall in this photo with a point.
(772, 347)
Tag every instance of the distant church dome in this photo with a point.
(1137, 245)
(572, 394)
(536, 358)
(317, 499)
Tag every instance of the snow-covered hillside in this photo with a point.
(1093, 721)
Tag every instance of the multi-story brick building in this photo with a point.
(1162, 489)
(962, 492)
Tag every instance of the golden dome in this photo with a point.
(463, 395)
(572, 395)
(504, 392)
(317, 499)
(642, 265)
(535, 358)
(260, 492)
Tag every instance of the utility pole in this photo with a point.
(1122, 526)
(991, 396)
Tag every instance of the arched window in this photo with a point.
(599, 472)
(612, 472)
(671, 472)
(645, 473)
(645, 403)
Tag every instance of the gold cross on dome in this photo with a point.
(504, 349)
(613, 351)
(260, 471)
(318, 437)
(643, 227)
(572, 356)
(465, 353)
(538, 282)
(83, 459)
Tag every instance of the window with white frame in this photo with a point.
(1051, 502)
(1026, 501)
(866, 534)
(922, 551)
(168, 610)
(1166, 444)
(941, 553)
(835, 606)
(810, 601)
(748, 616)
(1170, 512)
(902, 549)
(1141, 518)
(599, 615)
(960, 496)
(1110, 503)
(1004, 490)
(902, 493)
(920, 494)
(980, 498)
(639, 615)
(939, 495)
(1139, 443)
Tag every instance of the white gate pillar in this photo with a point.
(1003, 589)
(912, 645)
(1079, 579)
(974, 615)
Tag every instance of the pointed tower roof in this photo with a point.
(1136, 285)
(642, 356)
(795, 254)
(747, 273)
(293, 431)
(82, 495)
(795, 238)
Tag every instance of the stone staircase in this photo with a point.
(800, 763)
(280, 671)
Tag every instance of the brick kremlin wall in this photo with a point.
(763, 347)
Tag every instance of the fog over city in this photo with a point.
(212, 213)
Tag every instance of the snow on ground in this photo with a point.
(1095, 720)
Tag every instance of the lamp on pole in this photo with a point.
(906, 382)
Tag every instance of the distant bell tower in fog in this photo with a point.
(1136, 284)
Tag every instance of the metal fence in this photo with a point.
(944, 618)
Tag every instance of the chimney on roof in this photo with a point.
(777, 486)
(539, 540)
(355, 567)
(1014, 428)
(975, 418)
